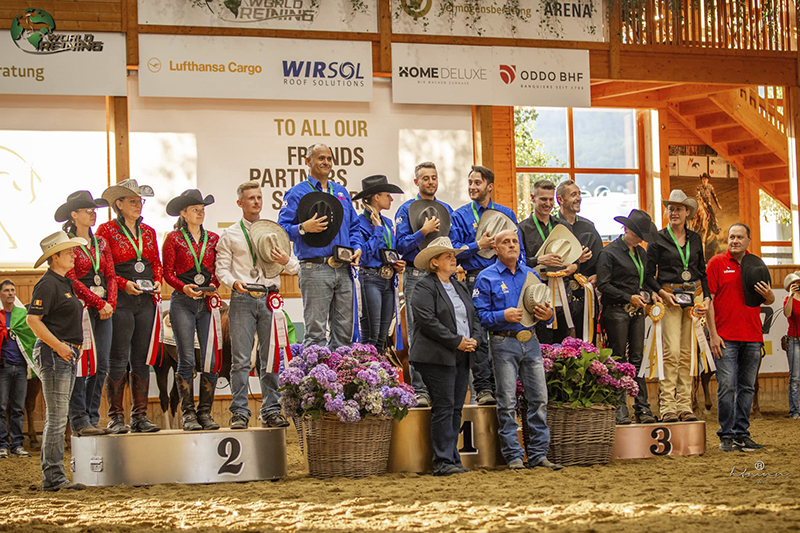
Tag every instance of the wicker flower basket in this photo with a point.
(335, 448)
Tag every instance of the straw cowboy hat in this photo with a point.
(187, 198)
(57, 242)
(677, 196)
(640, 223)
(324, 205)
(75, 201)
(791, 278)
(421, 209)
(267, 235)
(376, 184)
(127, 188)
(563, 243)
(494, 222)
(533, 293)
(436, 247)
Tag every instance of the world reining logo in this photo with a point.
(28, 29)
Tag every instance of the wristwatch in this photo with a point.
(301, 229)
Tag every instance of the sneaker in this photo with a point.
(746, 444)
(19, 451)
(645, 418)
(669, 418)
(239, 421)
(423, 400)
(485, 397)
(545, 463)
(726, 444)
(3, 453)
(516, 464)
(90, 431)
(117, 425)
(274, 420)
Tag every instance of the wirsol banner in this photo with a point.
(37, 58)
(254, 68)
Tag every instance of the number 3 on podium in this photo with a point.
(663, 445)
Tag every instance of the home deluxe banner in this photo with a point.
(313, 15)
(485, 75)
(254, 68)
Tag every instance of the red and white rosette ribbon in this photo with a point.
(279, 335)
(557, 288)
(87, 361)
(214, 340)
(156, 334)
(704, 360)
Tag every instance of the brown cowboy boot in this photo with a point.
(115, 392)
(186, 395)
(139, 421)
(206, 401)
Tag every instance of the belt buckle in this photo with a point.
(386, 272)
(524, 335)
(688, 286)
(630, 309)
(333, 263)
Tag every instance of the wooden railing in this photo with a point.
(733, 24)
(768, 101)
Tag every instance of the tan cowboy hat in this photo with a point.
(563, 243)
(267, 235)
(791, 278)
(533, 293)
(494, 222)
(437, 246)
(126, 188)
(57, 242)
(677, 196)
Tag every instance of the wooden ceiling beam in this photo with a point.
(713, 120)
(698, 106)
(691, 91)
(625, 88)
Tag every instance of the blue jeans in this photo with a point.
(377, 295)
(13, 385)
(482, 379)
(248, 316)
(57, 378)
(737, 372)
(411, 277)
(84, 405)
(327, 302)
(448, 387)
(513, 359)
(793, 353)
(188, 316)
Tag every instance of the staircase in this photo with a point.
(748, 129)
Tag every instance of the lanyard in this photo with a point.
(684, 258)
(475, 211)
(539, 227)
(198, 262)
(387, 236)
(96, 259)
(330, 187)
(639, 267)
(247, 238)
(136, 248)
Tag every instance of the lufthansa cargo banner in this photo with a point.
(314, 15)
(572, 20)
(254, 68)
(37, 58)
(484, 75)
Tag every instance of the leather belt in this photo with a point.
(685, 286)
(414, 271)
(523, 336)
(72, 344)
(316, 260)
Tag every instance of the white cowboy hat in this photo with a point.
(533, 293)
(57, 242)
(494, 222)
(791, 278)
(563, 243)
(437, 246)
(267, 235)
(677, 196)
(126, 188)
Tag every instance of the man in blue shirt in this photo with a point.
(515, 351)
(426, 178)
(463, 229)
(327, 291)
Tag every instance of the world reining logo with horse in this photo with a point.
(33, 31)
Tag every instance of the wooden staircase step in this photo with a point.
(774, 175)
(760, 161)
(730, 133)
(713, 120)
(749, 147)
(697, 107)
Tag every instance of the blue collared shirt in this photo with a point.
(408, 241)
(349, 234)
(497, 289)
(462, 232)
(374, 238)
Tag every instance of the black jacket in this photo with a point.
(434, 339)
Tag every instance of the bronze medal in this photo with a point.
(387, 272)
(574, 285)
(524, 335)
(686, 275)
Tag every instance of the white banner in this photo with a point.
(314, 15)
(576, 20)
(254, 68)
(482, 75)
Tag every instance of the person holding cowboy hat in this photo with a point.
(625, 292)
(380, 263)
(508, 311)
(134, 248)
(95, 284)
(54, 316)
(444, 341)
(189, 254)
(791, 310)
(676, 269)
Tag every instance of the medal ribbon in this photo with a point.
(539, 227)
(475, 211)
(684, 258)
(639, 268)
(330, 187)
(198, 262)
(249, 244)
(387, 237)
(96, 260)
(87, 361)
(213, 352)
(136, 248)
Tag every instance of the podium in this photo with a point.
(643, 441)
(176, 456)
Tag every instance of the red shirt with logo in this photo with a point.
(734, 320)
(794, 318)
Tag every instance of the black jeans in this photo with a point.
(482, 371)
(626, 336)
(132, 327)
(447, 386)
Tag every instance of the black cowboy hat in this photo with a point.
(753, 271)
(375, 184)
(320, 204)
(187, 198)
(640, 223)
(421, 209)
(75, 201)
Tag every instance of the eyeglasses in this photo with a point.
(88, 211)
(136, 201)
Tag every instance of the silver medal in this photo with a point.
(138, 266)
(199, 279)
(254, 272)
(686, 275)
(97, 280)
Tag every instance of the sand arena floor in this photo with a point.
(663, 494)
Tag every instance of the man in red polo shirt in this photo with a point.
(736, 341)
